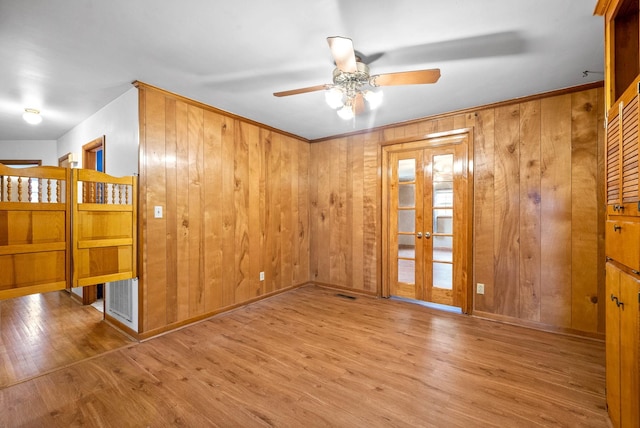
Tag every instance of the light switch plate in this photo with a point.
(157, 211)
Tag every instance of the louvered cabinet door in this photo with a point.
(613, 161)
(622, 154)
(629, 151)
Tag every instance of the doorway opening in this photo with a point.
(93, 158)
(427, 216)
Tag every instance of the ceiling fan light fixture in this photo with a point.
(32, 116)
(346, 112)
(354, 88)
(374, 98)
(333, 97)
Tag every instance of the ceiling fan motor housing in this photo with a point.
(352, 81)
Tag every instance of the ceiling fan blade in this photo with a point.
(301, 90)
(407, 78)
(368, 59)
(343, 53)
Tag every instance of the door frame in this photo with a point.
(89, 153)
(460, 136)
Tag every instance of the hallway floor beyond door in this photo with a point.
(44, 332)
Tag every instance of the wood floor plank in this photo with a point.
(311, 358)
(43, 332)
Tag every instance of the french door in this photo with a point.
(427, 223)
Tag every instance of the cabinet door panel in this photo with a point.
(613, 344)
(622, 242)
(629, 288)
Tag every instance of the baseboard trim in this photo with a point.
(194, 320)
(345, 289)
(124, 329)
(534, 325)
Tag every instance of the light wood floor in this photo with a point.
(43, 332)
(309, 358)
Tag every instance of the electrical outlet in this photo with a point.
(480, 288)
(261, 276)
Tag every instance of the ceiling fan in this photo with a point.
(353, 84)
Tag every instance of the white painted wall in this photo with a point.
(45, 150)
(118, 122)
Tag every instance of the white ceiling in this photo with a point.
(71, 57)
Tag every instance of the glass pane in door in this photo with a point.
(443, 194)
(407, 195)
(406, 220)
(443, 275)
(406, 258)
(406, 170)
(407, 271)
(443, 168)
(443, 221)
(406, 246)
(443, 249)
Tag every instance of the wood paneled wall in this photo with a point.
(235, 202)
(538, 208)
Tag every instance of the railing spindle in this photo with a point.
(19, 189)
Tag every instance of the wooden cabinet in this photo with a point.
(622, 240)
(623, 317)
(621, 44)
(622, 229)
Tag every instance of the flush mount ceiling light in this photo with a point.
(353, 84)
(32, 116)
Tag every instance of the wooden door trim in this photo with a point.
(88, 152)
(460, 136)
(436, 139)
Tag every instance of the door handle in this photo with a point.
(419, 235)
(616, 228)
(427, 235)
